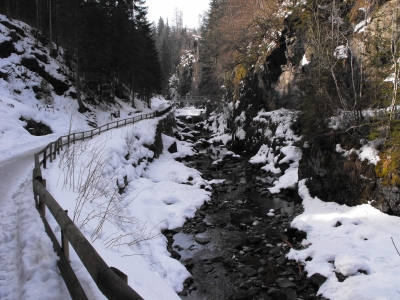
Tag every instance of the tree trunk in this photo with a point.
(57, 21)
(82, 107)
(50, 28)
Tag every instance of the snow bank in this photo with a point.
(218, 125)
(126, 231)
(282, 120)
(353, 241)
(368, 151)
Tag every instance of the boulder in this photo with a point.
(202, 241)
(317, 280)
(173, 148)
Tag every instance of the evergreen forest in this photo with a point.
(109, 45)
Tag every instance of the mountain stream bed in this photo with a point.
(233, 246)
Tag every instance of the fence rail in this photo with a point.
(110, 281)
(191, 99)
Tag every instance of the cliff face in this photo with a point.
(348, 76)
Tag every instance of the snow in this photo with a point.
(190, 111)
(359, 246)
(282, 120)
(240, 134)
(361, 27)
(390, 78)
(363, 242)
(341, 52)
(155, 275)
(154, 199)
(304, 60)
(368, 151)
(289, 179)
(218, 125)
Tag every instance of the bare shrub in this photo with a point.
(86, 170)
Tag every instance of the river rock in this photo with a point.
(290, 294)
(201, 240)
(245, 285)
(243, 216)
(284, 283)
(277, 294)
(300, 235)
(201, 227)
(253, 240)
(183, 293)
(229, 263)
(275, 251)
(253, 291)
(217, 259)
(175, 255)
(317, 280)
(188, 263)
(249, 272)
(281, 260)
(340, 276)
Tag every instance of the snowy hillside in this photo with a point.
(35, 87)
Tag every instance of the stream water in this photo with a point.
(232, 248)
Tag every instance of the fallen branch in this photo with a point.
(298, 263)
(395, 247)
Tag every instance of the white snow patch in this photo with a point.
(362, 243)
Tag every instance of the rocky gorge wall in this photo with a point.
(165, 126)
(331, 176)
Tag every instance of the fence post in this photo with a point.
(68, 140)
(74, 138)
(44, 158)
(50, 152)
(55, 149)
(59, 146)
(64, 242)
(42, 206)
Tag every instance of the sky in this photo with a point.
(166, 8)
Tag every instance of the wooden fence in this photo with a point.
(110, 281)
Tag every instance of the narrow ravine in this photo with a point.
(235, 246)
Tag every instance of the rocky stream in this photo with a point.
(236, 244)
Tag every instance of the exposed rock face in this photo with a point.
(390, 196)
(164, 126)
(285, 90)
(36, 128)
(330, 181)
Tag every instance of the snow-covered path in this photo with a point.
(28, 267)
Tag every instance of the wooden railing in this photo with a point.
(110, 281)
(191, 99)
